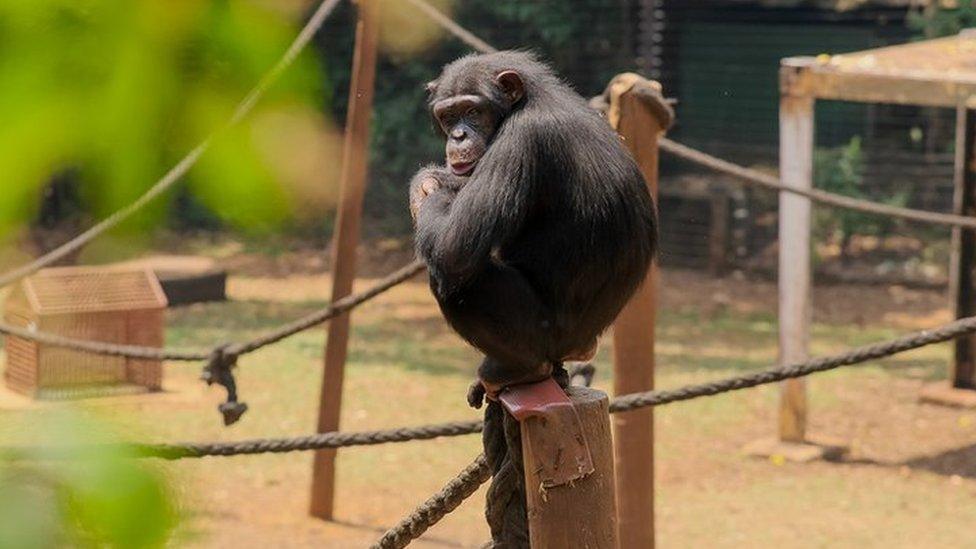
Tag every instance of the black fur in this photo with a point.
(534, 254)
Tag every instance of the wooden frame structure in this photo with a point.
(936, 73)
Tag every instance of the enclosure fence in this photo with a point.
(221, 358)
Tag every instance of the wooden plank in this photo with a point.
(796, 168)
(807, 78)
(345, 240)
(579, 513)
(963, 259)
(633, 353)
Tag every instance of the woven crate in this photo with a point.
(96, 303)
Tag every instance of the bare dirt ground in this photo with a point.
(910, 480)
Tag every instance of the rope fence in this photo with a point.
(622, 403)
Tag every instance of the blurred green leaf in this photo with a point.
(110, 90)
(107, 499)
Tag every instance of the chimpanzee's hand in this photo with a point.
(428, 181)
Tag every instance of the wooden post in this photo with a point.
(796, 142)
(963, 284)
(796, 169)
(580, 513)
(345, 240)
(959, 392)
(718, 234)
(640, 126)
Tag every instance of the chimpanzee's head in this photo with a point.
(470, 100)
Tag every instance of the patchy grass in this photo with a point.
(912, 475)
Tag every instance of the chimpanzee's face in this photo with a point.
(469, 105)
(468, 122)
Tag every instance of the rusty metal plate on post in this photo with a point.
(551, 432)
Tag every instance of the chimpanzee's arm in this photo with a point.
(431, 210)
(457, 233)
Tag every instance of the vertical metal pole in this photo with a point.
(633, 353)
(345, 240)
(796, 168)
(963, 260)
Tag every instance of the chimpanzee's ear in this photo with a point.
(512, 85)
(431, 87)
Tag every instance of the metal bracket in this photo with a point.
(551, 431)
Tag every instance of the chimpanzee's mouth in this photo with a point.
(462, 168)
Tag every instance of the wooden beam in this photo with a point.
(809, 78)
(796, 169)
(344, 243)
(579, 513)
(963, 259)
(640, 126)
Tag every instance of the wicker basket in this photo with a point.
(94, 303)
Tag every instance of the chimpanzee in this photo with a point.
(539, 228)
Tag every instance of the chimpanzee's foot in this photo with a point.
(581, 373)
(476, 394)
(482, 388)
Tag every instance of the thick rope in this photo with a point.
(341, 306)
(329, 312)
(746, 174)
(774, 183)
(256, 446)
(437, 506)
(103, 348)
(505, 509)
(453, 27)
(858, 355)
(183, 166)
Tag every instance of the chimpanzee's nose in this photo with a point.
(459, 134)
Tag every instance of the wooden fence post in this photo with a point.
(796, 168)
(640, 116)
(345, 240)
(580, 513)
(964, 252)
(796, 145)
(961, 389)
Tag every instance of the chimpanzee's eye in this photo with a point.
(447, 120)
(472, 112)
